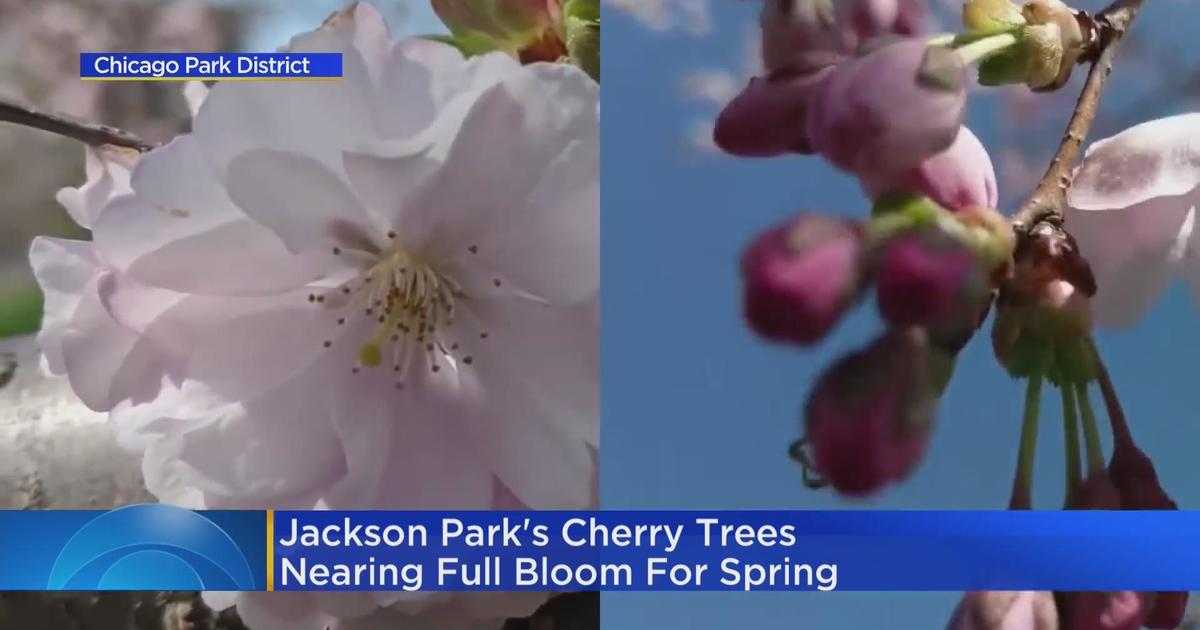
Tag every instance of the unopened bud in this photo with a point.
(927, 278)
(868, 417)
(1055, 41)
(802, 276)
(1122, 610)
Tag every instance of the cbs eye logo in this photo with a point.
(151, 547)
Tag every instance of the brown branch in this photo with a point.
(63, 125)
(1049, 198)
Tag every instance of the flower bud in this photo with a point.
(1054, 42)
(1005, 610)
(794, 29)
(868, 416)
(1133, 473)
(1106, 611)
(958, 178)
(1167, 611)
(927, 278)
(879, 115)
(1096, 492)
(802, 276)
(768, 116)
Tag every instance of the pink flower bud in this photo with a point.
(794, 30)
(1005, 610)
(1096, 492)
(1106, 611)
(881, 114)
(960, 178)
(768, 116)
(868, 416)
(1133, 474)
(1167, 611)
(926, 278)
(801, 276)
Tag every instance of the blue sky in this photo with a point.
(698, 413)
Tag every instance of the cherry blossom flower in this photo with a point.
(1132, 211)
(959, 178)
(373, 293)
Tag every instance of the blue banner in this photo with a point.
(209, 66)
(157, 547)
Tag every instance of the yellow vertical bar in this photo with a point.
(270, 550)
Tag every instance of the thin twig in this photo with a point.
(1050, 196)
(63, 125)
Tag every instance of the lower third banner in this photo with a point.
(157, 547)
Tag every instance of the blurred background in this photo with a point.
(40, 42)
(698, 413)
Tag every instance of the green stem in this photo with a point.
(1122, 436)
(1071, 436)
(1023, 480)
(982, 49)
(1091, 432)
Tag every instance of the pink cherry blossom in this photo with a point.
(768, 117)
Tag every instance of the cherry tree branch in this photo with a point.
(63, 125)
(1049, 198)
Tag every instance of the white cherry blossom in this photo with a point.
(1133, 213)
(378, 292)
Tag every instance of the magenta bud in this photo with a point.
(768, 117)
(1096, 492)
(960, 178)
(1133, 473)
(793, 31)
(1005, 610)
(1167, 611)
(880, 115)
(1122, 610)
(801, 276)
(927, 278)
(868, 416)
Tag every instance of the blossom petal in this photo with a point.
(63, 268)
(264, 471)
(534, 201)
(107, 168)
(105, 361)
(402, 449)
(1160, 158)
(1132, 252)
(280, 611)
(303, 202)
(164, 235)
(512, 413)
(320, 118)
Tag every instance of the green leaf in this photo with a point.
(20, 311)
(586, 10)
